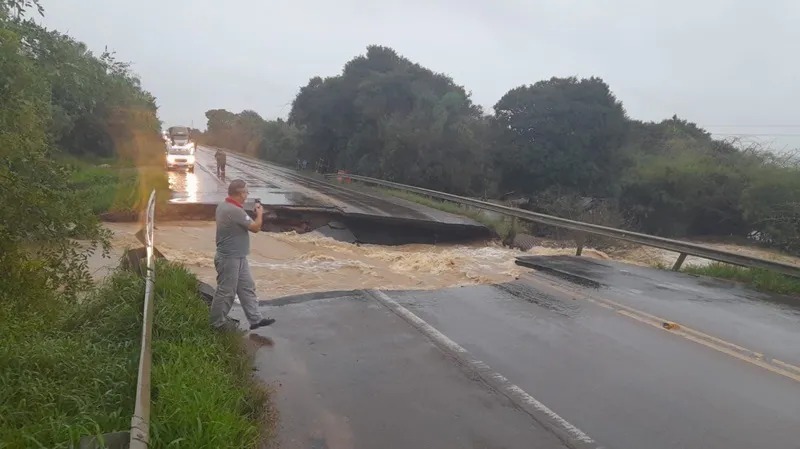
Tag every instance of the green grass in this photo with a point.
(204, 393)
(116, 187)
(505, 228)
(764, 280)
(69, 370)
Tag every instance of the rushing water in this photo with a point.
(289, 263)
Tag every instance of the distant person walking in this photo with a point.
(221, 158)
(233, 270)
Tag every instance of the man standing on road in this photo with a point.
(233, 271)
(221, 158)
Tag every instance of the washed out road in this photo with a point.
(647, 359)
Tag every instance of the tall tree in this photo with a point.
(560, 132)
(386, 116)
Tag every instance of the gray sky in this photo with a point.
(732, 66)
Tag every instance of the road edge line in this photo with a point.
(731, 349)
(565, 431)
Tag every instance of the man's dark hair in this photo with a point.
(237, 185)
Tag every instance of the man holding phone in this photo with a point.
(230, 260)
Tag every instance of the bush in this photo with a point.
(687, 193)
(771, 207)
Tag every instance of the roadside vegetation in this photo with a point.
(68, 369)
(115, 185)
(562, 146)
(764, 280)
(79, 137)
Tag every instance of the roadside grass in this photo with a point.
(764, 280)
(68, 369)
(115, 186)
(505, 228)
(204, 394)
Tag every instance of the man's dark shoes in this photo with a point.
(262, 323)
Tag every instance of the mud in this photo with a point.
(286, 264)
(289, 263)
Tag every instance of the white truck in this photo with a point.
(180, 149)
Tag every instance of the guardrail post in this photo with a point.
(580, 240)
(679, 262)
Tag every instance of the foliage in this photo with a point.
(117, 188)
(41, 215)
(78, 376)
(564, 132)
(555, 144)
(18, 8)
(240, 132)
(385, 116)
(685, 193)
(280, 142)
(57, 98)
(771, 205)
(97, 105)
(225, 398)
(764, 280)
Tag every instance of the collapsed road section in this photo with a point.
(534, 362)
(300, 203)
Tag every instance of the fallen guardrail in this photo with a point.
(682, 248)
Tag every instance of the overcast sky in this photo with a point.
(732, 66)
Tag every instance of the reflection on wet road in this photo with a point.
(186, 186)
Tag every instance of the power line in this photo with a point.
(752, 126)
(758, 134)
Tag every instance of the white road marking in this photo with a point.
(516, 394)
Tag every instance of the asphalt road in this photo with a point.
(280, 187)
(351, 373)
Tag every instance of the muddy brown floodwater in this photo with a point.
(289, 263)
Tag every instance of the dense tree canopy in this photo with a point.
(388, 117)
(57, 98)
(555, 142)
(563, 131)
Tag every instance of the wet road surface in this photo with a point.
(765, 323)
(348, 373)
(350, 363)
(203, 186)
(278, 186)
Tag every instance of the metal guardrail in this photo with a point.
(140, 422)
(680, 247)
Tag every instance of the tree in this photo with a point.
(239, 132)
(564, 131)
(98, 105)
(388, 117)
(280, 142)
(41, 215)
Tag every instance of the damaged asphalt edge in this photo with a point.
(566, 275)
(550, 420)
